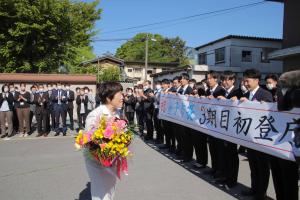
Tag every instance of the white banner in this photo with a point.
(256, 125)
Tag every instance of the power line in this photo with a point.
(111, 40)
(186, 17)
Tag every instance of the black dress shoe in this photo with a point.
(164, 147)
(210, 172)
(248, 192)
(39, 135)
(199, 166)
(64, 134)
(186, 160)
(56, 134)
(220, 181)
(230, 185)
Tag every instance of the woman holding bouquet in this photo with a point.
(103, 178)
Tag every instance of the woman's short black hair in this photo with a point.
(108, 90)
(5, 85)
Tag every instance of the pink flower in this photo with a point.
(121, 124)
(108, 132)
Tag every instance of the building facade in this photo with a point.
(290, 52)
(131, 71)
(238, 53)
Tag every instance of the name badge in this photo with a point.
(22, 103)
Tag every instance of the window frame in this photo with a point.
(224, 52)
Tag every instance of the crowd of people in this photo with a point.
(183, 141)
(50, 104)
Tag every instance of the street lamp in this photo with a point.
(146, 54)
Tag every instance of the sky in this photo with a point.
(264, 20)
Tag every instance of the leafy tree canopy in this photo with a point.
(41, 35)
(163, 49)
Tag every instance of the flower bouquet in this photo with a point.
(107, 143)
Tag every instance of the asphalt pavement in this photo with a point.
(51, 169)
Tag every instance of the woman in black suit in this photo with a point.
(82, 102)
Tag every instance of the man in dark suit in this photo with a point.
(41, 100)
(186, 133)
(59, 99)
(51, 90)
(230, 161)
(258, 161)
(167, 125)
(215, 144)
(148, 107)
(176, 134)
(70, 105)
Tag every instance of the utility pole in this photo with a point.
(146, 56)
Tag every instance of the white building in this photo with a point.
(237, 53)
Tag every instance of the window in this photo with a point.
(129, 70)
(202, 58)
(220, 55)
(246, 56)
(138, 70)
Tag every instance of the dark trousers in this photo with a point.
(15, 120)
(260, 172)
(60, 112)
(231, 159)
(168, 131)
(30, 120)
(200, 146)
(81, 120)
(285, 177)
(52, 115)
(70, 113)
(188, 143)
(149, 123)
(42, 119)
(178, 131)
(140, 120)
(214, 145)
(130, 117)
(158, 127)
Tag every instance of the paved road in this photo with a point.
(50, 169)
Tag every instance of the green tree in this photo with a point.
(109, 74)
(162, 50)
(40, 35)
(82, 54)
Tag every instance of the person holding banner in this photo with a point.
(216, 147)
(231, 157)
(199, 138)
(176, 89)
(258, 161)
(186, 133)
(167, 125)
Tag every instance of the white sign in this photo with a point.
(256, 125)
